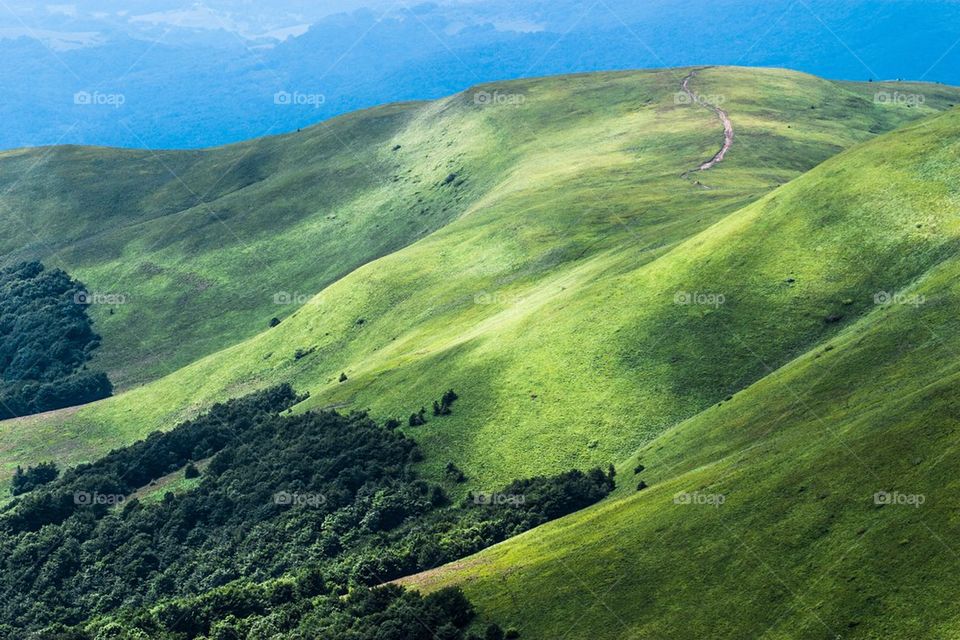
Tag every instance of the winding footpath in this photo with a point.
(724, 118)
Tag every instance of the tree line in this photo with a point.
(292, 514)
(46, 340)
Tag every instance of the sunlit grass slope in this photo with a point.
(548, 300)
(799, 547)
(200, 242)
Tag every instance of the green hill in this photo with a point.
(551, 218)
(766, 347)
(798, 545)
(199, 243)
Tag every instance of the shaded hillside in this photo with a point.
(554, 298)
(208, 246)
(820, 501)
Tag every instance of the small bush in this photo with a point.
(445, 405)
(453, 472)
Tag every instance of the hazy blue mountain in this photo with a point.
(174, 74)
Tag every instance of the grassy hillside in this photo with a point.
(204, 244)
(549, 299)
(200, 243)
(799, 547)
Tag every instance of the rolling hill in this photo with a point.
(537, 228)
(835, 473)
(764, 348)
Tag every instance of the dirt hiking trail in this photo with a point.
(728, 134)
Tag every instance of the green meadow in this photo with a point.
(527, 252)
(798, 545)
(765, 346)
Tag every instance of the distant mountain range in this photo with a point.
(168, 76)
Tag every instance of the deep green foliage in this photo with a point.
(284, 610)
(453, 472)
(444, 406)
(27, 398)
(331, 497)
(418, 419)
(45, 334)
(46, 338)
(24, 481)
(123, 471)
(480, 521)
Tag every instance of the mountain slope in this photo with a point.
(550, 302)
(200, 244)
(799, 545)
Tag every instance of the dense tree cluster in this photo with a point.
(33, 477)
(480, 521)
(123, 471)
(292, 512)
(299, 608)
(21, 398)
(46, 338)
